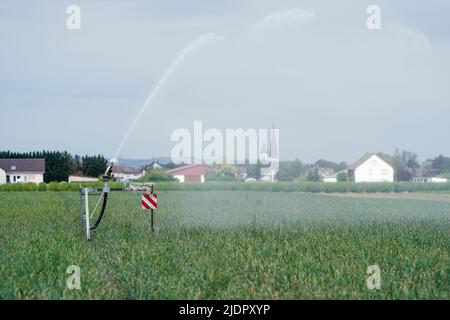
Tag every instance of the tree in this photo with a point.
(60, 164)
(441, 164)
(342, 176)
(253, 170)
(402, 161)
(157, 174)
(396, 161)
(410, 162)
(314, 175)
(427, 168)
(330, 164)
(221, 172)
(94, 166)
(403, 175)
(76, 167)
(409, 159)
(290, 170)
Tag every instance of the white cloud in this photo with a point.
(281, 18)
(412, 39)
(320, 75)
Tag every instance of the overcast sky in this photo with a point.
(334, 88)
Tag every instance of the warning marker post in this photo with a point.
(150, 202)
(151, 213)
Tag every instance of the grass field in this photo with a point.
(228, 245)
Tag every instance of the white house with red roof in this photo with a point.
(124, 174)
(190, 173)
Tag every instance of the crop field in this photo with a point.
(228, 245)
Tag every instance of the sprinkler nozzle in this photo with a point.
(113, 161)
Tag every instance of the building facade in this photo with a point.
(371, 168)
(82, 179)
(22, 170)
(190, 173)
(122, 174)
(430, 180)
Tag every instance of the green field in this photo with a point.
(228, 245)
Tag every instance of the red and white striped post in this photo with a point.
(150, 202)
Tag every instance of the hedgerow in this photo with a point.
(312, 187)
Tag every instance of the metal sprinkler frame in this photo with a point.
(85, 192)
(103, 192)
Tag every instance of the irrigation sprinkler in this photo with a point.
(99, 210)
(152, 197)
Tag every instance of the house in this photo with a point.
(371, 168)
(241, 173)
(330, 178)
(151, 166)
(154, 165)
(22, 170)
(327, 174)
(82, 179)
(334, 177)
(123, 174)
(190, 173)
(430, 180)
(325, 171)
(268, 173)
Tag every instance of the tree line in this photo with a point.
(406, 166)
(59, 165)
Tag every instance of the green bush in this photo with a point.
(63, 186)
(155, 175)
(15, 187)
(30, 186)
(53, 186)
(73, 187)
(299, 186)
(306, 186)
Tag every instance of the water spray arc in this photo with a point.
(103, 192)
(184, 52)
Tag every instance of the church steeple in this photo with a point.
(273, 146)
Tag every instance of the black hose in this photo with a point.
(102, 211)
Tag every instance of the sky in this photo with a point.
(313, 69)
